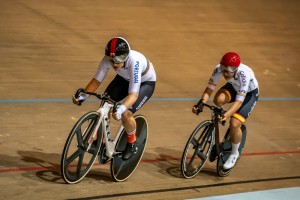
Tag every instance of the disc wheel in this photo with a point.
(121, 169)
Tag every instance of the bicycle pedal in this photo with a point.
(103, 159)
(117, 155)
(102, 155)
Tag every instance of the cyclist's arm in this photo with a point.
(234, 107)
(99, 76)
(92, 85)
(214, 79)
(130, 99)
(211, 86)
(206, 94)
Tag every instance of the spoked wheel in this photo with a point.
(77, 159)
(197, 149)
(121, 169)
(226, 150)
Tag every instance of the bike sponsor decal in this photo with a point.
(142, 102)
(136, 72)
(252, 108)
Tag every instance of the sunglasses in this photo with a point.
(228, 69)
(118, 59)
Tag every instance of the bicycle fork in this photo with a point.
(94, 136)
(109, 143)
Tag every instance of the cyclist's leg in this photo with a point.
(118, 88)
(236, 122)
(235, 131)
(240, 117)
(145, 93)
(128, 121)
(129, 125)
(235, 137)
(224, 95)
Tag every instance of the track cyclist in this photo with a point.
(134, 85)
(241, 89)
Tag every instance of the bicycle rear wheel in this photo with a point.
(197, 149)
(76, 160)
(226, 150)
(121, 169)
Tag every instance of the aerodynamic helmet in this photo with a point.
(231, 59)
(118, 49)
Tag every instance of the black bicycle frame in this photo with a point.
(215, 122)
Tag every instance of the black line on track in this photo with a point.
(185, 188)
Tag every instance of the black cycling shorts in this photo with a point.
(118, 90)
(248, 104)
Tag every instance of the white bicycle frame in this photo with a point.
(104, 119)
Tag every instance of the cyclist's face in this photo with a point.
(117, 66)
(228, 75)
(228, 72)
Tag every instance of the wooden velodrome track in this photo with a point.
(48, 49)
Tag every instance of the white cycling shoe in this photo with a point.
(231, 161)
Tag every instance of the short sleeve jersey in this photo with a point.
(244, 80)
(137, 69)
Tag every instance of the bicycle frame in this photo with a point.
(104, 119)
(103, 111)
(217, 111)
(95, 141)
(202, 146)
(215, 122)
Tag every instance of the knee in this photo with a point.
(219, 100)
(127, 116)
(234, 123)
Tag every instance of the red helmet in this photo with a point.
(231, 59)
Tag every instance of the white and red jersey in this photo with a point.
(137, 69)
(243, 81)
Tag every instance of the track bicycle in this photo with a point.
(90, 138)
(204, 143)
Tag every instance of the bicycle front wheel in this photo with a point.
(77, 159)
(197, 149)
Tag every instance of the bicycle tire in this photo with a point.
(226, 150)
(121, 169)
(197, 149)
(76, 162)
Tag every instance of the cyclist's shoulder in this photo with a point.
(244, 69)
(135, 55)
(136, 58)
(217, 70)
